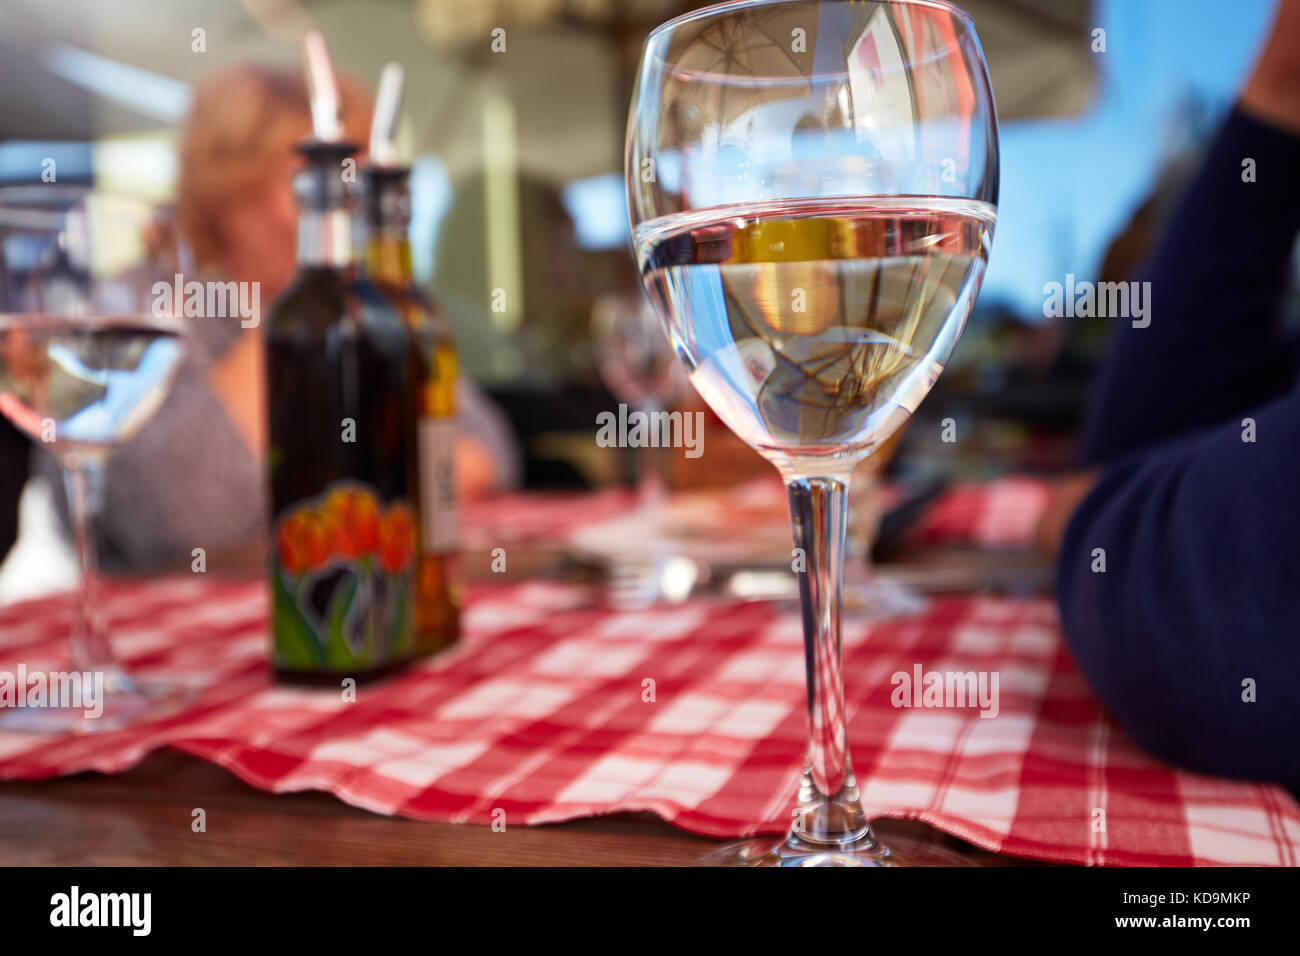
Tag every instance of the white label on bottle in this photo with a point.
(438, 517)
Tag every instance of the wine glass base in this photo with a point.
(125, 703)
(788, 851)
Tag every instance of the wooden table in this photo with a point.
(144, 816)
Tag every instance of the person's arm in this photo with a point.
(1179, 571)
(1273, 92)
(1199, 599)
(487, 453)
(1213, 347)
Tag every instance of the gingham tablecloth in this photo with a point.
(543, 712)
(1001, 513)
(997, 514)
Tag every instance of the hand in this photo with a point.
(1273, 91)
(1067, 492)
(476, 470)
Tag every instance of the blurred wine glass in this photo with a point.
(87, 353)
(637, 364)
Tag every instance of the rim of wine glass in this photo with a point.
(729, 5)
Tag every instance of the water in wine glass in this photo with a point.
(814, 327)
(81, 385)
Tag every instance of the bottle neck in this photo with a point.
(324, 238)
(388, 258)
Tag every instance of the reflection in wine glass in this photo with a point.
(812, 187)
(84, 362)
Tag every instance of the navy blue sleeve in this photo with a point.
(1191, 634)
(1213, 348)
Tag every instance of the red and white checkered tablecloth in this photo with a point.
(541, 713)
(538, 518)
(1001, 513)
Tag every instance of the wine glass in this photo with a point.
(812, 188)
(636, 364)
(88, 348)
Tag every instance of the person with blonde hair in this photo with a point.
(235, 208)
(192, 477)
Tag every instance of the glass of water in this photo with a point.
(813, 190)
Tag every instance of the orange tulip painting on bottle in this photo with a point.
(341, 582)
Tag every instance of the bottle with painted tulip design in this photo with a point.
(340, 377)
(385, 198)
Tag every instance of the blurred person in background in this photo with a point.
(1190, 632)
(193, 475)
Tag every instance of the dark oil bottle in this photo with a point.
(386, 202)
(341, 400)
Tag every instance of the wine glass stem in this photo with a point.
(89, 641)
(651, 486)
(829, 812)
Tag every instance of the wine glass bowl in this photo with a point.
(82, 385)
(833, 320)
(633, 360)
(812, 188)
